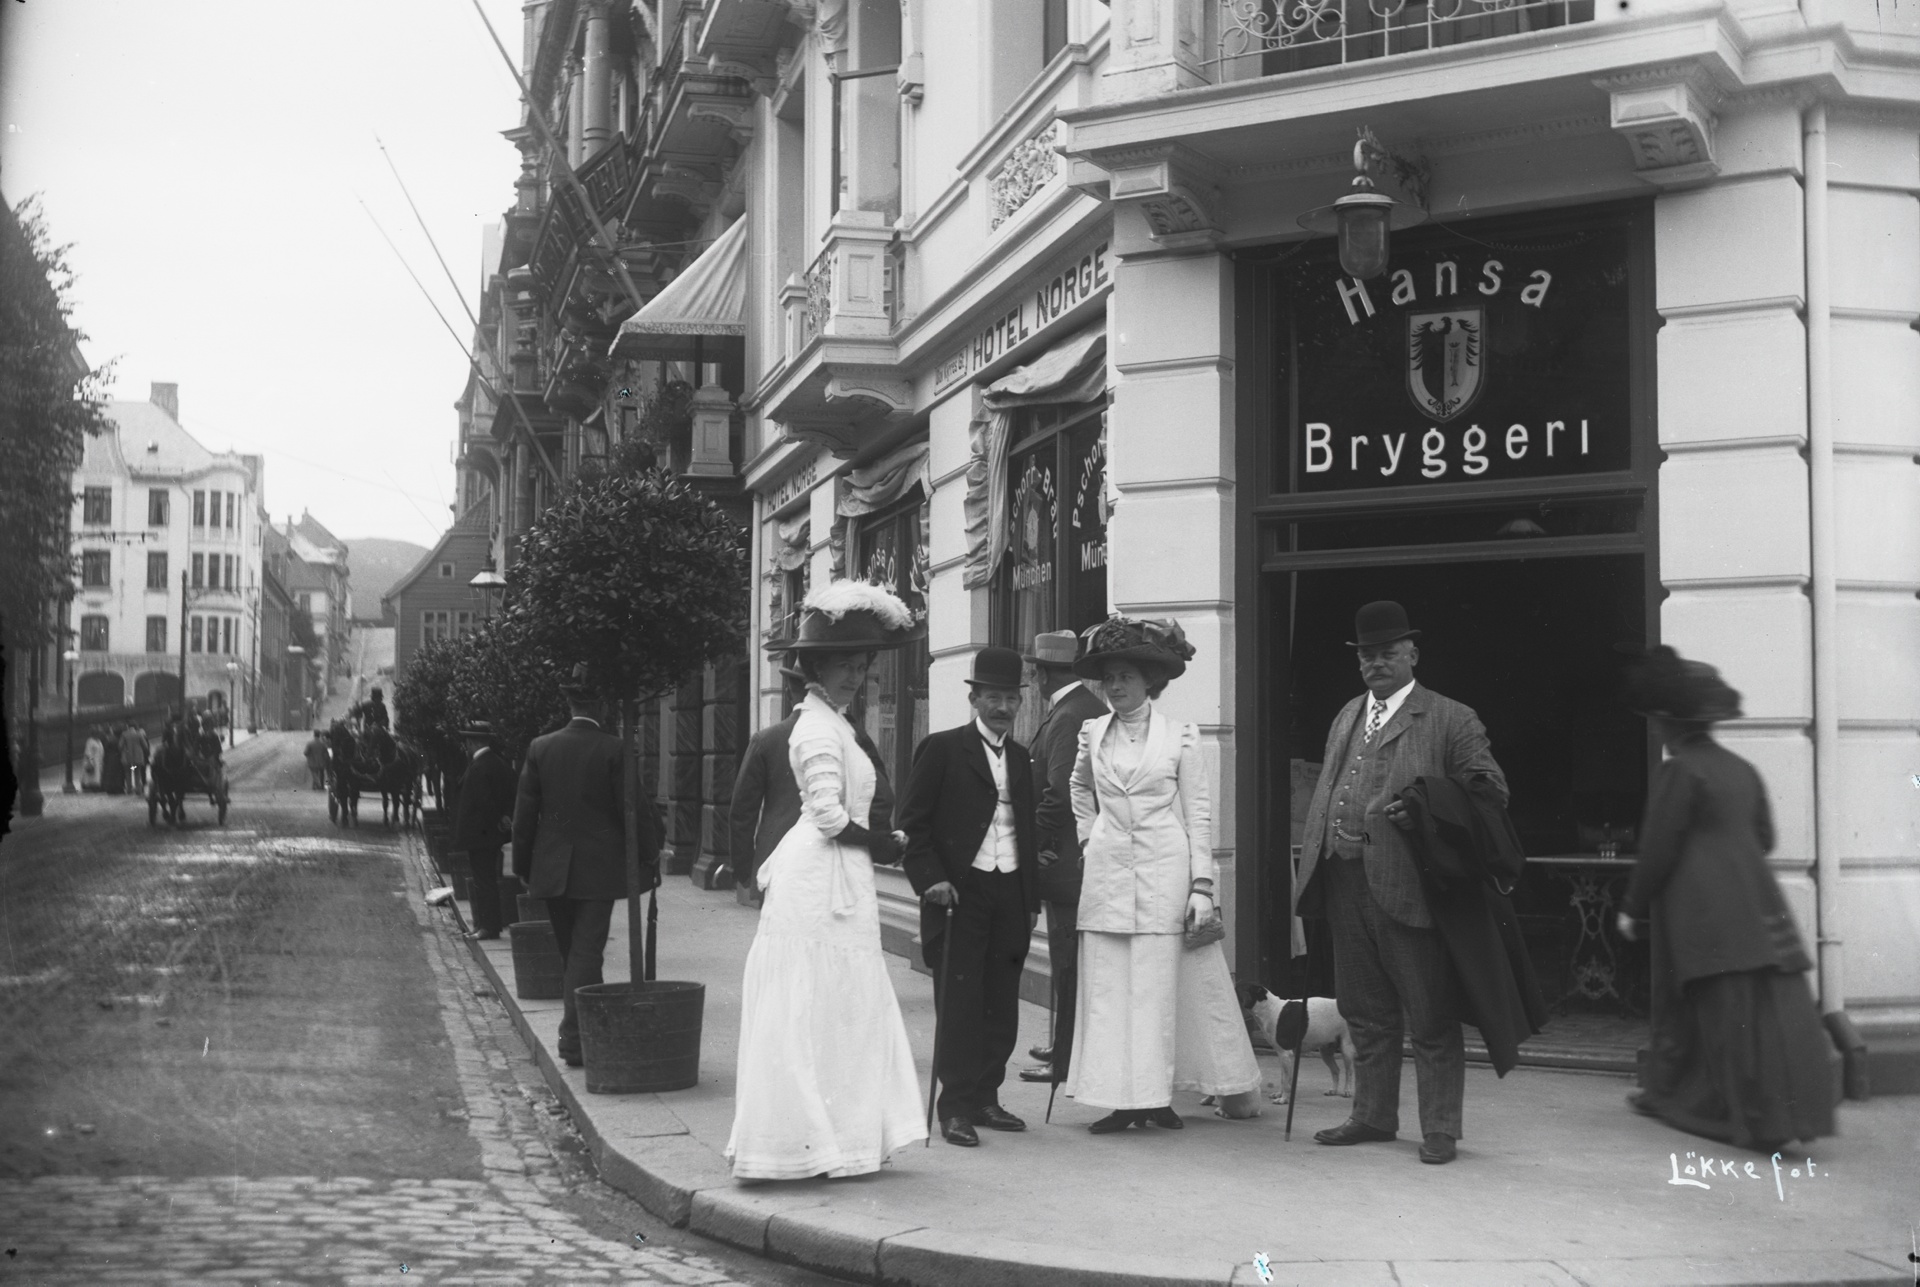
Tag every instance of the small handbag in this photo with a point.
(1211, 930)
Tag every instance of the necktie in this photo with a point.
(1376, 719)
(997, 750)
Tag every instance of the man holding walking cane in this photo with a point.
(967, 811)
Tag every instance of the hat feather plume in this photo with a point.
(837, 598)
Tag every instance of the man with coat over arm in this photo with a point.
(569, 841)
(967, 811)
(1357, 869)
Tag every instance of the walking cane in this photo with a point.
(1293, 1091)
(946, 955)
(653, 930)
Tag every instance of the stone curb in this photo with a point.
(684, 1183)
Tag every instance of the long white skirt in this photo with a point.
(825, 1083)
(1155, 1017)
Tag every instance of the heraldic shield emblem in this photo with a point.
(1445, 360)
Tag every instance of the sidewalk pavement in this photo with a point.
(1557, 1183)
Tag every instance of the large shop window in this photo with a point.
(890, 549)
(1470, 434)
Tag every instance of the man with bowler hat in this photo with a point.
(1070, 703)
(1357, 869)
(483, 823)
(569, 841)
(967, 811)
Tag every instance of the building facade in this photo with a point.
(320, 580)
(166, 541)
(1036, 332)
(436, 599)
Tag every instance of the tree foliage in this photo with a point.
(423, 701)
(637, 574)
(49, 403)
(504, 677)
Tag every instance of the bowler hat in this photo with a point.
(1055, 648)
(997, 668)
(1380, 622)
(848, 616)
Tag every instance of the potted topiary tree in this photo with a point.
(645, 579)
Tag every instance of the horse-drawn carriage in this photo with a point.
(374, 763)
(178, 770)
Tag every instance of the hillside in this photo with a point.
(377, 563)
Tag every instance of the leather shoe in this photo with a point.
(958, 1130)
(1118, 1120)
(1640, 1104)
(1164, 1117)
(996, 1118)
(482, 936)
(1042, 1073)
(1043, 1053)
(1352, 1132)
(1437, 1148)
(571, 1058)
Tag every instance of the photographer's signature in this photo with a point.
(1698, 1168)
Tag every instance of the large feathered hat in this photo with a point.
(1665, 683)
(1162, 644)
(849, 616)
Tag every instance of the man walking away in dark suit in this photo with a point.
(483, 823)
(968, 814)
(1358, 870)
(1055, 743)
(569, 841)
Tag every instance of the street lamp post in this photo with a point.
(486, 583)
(70, 657)
(233, 669)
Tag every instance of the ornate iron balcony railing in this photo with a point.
(1268, 37)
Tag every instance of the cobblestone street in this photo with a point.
(536, 1214)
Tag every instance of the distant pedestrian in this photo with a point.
(484, 823)
(92, 753)
(133, 756)
(113, 778)
(569, 842)
(316, 754)
(1738, 1052)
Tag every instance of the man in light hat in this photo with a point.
(1070, 703)
(1357, 869)
(569, 841)
(483, 823)
(967, 811)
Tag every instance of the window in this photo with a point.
(446, 571)
(97, 506)
(434, 625)
(891, 549)
(157, 571)
(233, 564)
(198, 636)
(93, 634)
(199, 509)
(463, 624)
(226, 635)
(233, 509)
(157, 507)
(866, 112)
(1053, 29)
(1054, 576)
(306, 601)
(96, 568)
(199, 571)
(156, 634)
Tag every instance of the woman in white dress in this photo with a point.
(825, 1083)
(1156, 1015)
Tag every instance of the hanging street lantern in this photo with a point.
(1364, 219)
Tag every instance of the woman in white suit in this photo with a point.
(1156, 1015)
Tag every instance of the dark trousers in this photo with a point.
(483, 879)
(1381, 969)
(979, 1008)
(580, 929)
(1063, 949)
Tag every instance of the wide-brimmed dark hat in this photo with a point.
(1054, 648)
(1161, 644)
(849, 616)
(578, 684)
(1665, 683)
(997, 668)
(1380, 622)
(479, 729)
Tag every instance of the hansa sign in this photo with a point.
(1491, 349)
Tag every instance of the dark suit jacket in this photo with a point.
(1702, 870)
(569, 835)
(1429, 736)
(486, 796)
(766, 800)
(946, 808)
(1055, 744)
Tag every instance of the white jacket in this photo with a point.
(1146, 839)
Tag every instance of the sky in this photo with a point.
(207, 160)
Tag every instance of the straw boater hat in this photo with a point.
(848, 616)
(1054, 648)
(1161, 644)
(1665, 683)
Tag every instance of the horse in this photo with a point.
(343, 789)
(397, 778)
(168, 776)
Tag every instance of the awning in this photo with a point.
(705, 305)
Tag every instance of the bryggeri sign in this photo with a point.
(1501, 353)
(1036, 306)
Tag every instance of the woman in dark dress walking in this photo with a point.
(1738, 1050)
